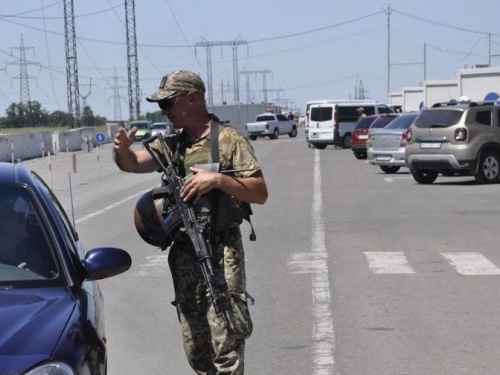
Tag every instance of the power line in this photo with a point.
(441, 24)
(33, 10)
(59, 17)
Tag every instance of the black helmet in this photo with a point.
(155, 221)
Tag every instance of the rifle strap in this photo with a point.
(214, 151)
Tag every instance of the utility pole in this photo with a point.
(272, 90)
(84, 97)
(247, 73)
(23, 77)
(277, 91)
(71, 64)
(208, 49)
(388, 52)
(117, 97)
(134, 95)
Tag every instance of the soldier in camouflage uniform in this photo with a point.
(212, 346)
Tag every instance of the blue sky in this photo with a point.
(315, 49)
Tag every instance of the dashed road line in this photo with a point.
(156, 265)
(471, 264)
(385, 262)
(315, 263)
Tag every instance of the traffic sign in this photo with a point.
(100, 137)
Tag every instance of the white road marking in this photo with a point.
(471, 264)
(393, 262)
(107, 208)
(156, 265)
(391, 179)
(315, 264)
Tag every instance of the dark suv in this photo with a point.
(455, 139)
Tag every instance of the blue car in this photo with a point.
(51, 307)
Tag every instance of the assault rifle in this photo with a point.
(191, 226)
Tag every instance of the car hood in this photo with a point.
(31, 323)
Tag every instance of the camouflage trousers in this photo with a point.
(211, 346)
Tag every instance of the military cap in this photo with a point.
(179, 80)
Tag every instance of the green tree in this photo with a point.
(26, 115)
(59, 118)
(36, 115)
(155, 116)
(87, 118)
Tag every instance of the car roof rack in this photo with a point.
(455, 103)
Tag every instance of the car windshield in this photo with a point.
(159, 126)
(364, 123)
(27, 255)
(441, 118)
(382, 122)
(139, 125)
(402, 122)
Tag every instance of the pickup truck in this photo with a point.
(271, 125)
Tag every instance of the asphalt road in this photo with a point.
(354, 271)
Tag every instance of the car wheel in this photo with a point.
(424, 177)
(389, 169)
(253, 137)
(293, 133)
(360, 155)
(488, 169)
(346, 141)
(320, 147)
(276, 134)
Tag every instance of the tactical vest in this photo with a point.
(230, 210)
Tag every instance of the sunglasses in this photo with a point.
(167, 103)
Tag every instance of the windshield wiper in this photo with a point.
(6, 287)
(437, 125)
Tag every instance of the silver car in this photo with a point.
(386, 147)
(455, 139)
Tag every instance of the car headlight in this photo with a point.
(53, 368)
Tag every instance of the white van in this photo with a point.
(331, 123)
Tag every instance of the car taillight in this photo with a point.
(409, 134)
(335, 122)
(460, 134)
(404, 140)
(267, 126)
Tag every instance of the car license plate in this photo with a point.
(430, 145)
(383, 158)
(363, 136)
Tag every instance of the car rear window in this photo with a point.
(382, 122)
(265, 118)
(438, 118)
(402, 122)
(364, 123)
(321, 113)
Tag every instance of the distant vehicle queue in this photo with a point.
(455, 138)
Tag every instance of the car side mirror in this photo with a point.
(103, 262)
